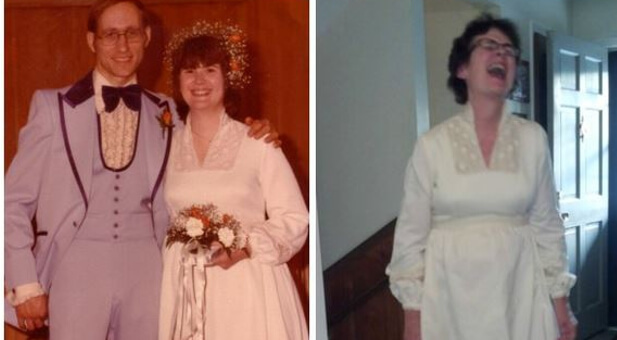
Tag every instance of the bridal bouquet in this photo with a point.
(199, 226)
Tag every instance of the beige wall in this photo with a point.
(442, 27)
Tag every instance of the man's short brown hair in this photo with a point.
(100, 6)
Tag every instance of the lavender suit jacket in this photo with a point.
(50, 177)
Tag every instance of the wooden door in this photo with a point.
(578, 129)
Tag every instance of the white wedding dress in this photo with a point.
(480, 250)
(256, 298)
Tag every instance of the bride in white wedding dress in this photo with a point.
(248, 293)
(479, 250)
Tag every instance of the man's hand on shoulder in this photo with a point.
(261, 127)
(32, 313)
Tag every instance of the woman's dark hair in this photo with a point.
(100, 6)
(202, 50)
(461, 49)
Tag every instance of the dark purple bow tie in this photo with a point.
(131, 95)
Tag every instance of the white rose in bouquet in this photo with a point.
(194, 227)
(226, 237)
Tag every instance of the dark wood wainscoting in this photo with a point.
(358, 299)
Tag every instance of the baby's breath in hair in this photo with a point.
(233, 41)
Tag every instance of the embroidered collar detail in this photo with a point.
(221, 153)
(466, 150)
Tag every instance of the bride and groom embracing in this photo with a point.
(114, 173)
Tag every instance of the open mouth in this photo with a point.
(497, 71)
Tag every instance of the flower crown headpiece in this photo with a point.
(233, 41)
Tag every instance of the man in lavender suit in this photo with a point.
(90, 164)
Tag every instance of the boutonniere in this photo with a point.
(165, 121)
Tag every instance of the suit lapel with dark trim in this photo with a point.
(78, 123)
(157, 139)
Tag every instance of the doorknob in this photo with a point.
(582, 129)
(565, 216)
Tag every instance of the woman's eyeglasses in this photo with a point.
(491, 45)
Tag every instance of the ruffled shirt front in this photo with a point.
(118, 135)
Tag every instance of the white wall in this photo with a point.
(552, 15)
(371, 87)
(591, 20)
(596, 21)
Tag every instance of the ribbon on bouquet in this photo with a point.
(190, 306)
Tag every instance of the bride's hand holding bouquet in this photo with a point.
(225, 259)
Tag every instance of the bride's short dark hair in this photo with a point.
(202, 50)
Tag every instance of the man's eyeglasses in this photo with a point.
(491, 45)
(133, 35)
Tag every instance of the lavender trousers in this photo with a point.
(107, 287)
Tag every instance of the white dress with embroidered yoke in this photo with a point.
(480, 250)
(256, 298)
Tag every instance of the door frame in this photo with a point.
(612, 183)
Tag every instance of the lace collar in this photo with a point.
(466, 150)
(222, 152)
